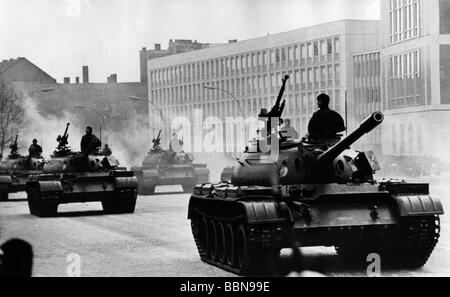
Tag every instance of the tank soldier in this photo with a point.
(35, 150)
(106, 151)
(288, 131)
(90, 143)
(325, 123)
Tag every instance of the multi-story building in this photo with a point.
(247, 75)
(175, 47)
(367, 95)
(415, 55)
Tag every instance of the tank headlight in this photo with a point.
(283, 172)
(64, 166)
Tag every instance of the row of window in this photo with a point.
(296, 105)
(406, 65)
(404, 20)
(319, 51)
(313, 78)
(407, 139)
(367, 65)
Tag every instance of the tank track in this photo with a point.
(247, 257)
(129, 196)
(416, 239)
(123, 202)
(420, 235)
(43, 204)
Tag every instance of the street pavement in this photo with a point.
(154, 241)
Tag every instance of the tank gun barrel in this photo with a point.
(365, 127)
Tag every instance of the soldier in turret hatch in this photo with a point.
(106, 151)
(325, 123)
(90, 143)
(288, 131)
(35, 150)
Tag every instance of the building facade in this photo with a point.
(176, 46)
(415, 52)
(367, 96)
(239, 79)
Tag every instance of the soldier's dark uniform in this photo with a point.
(90, 142)
(35, 150)
(106, 151)
(325, 123)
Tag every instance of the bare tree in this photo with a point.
(11, 114)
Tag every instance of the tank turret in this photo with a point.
(65, 160)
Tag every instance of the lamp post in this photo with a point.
(161, 114)
(102, 118)
(229, 94)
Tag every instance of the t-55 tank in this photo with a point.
(311, 193)
(70, 177)
(15, 169)
(167, 167)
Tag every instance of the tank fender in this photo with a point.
(201, 171)
(5, 179)
(266, 212)
(418, 205)
(126, 182)
(50, 186)
(5, 182)
(150, 173)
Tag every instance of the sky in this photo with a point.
(61, 36)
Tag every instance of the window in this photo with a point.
(316, 49)
(303, 52)
(283, 54)
(404, 20)
(337, 74)
(337, 46)
(310, 51)
(323, 48)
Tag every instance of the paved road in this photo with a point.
(155, 241)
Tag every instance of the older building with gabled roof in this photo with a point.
(21, 69)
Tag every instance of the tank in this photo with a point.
(312, 193)
(15, 169)
(71, 177)
(167, 167)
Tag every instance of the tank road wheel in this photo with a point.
(204, 238)
(198, 232)
(230, 252)
(221, 243)
(245, 252)
(212, 229)
(418, 238)
(4, 196)
(39, 206)
(251, 259)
